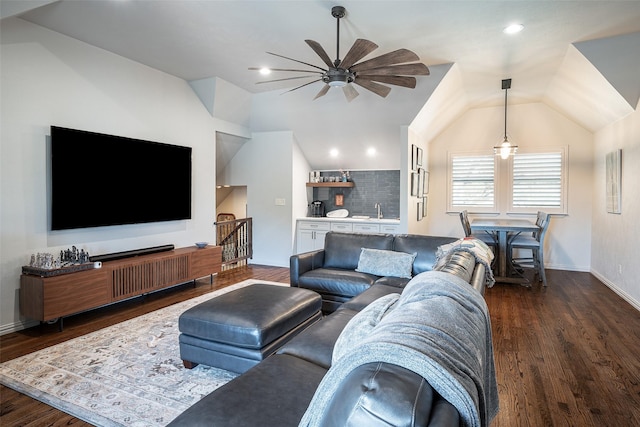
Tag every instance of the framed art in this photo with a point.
(419, 156)
(425, 182)
(614, 181)
(424, 206)
(414, 157)
(419, 210)
(415, 184)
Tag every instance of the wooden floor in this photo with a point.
(566, 355)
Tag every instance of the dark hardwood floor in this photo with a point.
(566, 355)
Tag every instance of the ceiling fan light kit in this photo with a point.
(393, 68)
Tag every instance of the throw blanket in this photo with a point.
(476, 247)
(440, 329)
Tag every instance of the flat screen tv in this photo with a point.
(101, 180)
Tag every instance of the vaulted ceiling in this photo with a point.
(579, 57)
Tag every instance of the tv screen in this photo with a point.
(100, 180)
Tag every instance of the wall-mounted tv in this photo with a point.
(102, 180)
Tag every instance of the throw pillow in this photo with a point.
(386, 263)
(361, 325)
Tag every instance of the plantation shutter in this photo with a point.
(537, 180)
(472, 181)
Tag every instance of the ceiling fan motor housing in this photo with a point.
(338, 77)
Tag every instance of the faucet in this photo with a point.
(379, 208)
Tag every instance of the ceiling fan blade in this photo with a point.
(403, 81)
(350, 92)
(396, 57)
(323, 91)
(284, 79)
(301, 86)
(320, 52)
(359, 50)
(417, 69)
(374, 87)
(295, 60)
(285, 69)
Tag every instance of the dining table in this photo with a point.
(503, 228)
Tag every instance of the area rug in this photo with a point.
(129, 374)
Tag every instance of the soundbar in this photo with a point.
(132, 253)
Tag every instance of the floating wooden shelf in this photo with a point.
(331, 184)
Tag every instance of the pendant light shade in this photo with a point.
(505, 149)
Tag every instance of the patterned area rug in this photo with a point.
(129, 374)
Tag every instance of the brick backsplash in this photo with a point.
(371, 187)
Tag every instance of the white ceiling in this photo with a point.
(200, 39)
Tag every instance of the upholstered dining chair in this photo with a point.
(533, 242)
(488, 238)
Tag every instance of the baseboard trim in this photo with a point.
(615, 288)
(17, 326)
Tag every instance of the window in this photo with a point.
(525, 183)
(537, 182)
(471, 182)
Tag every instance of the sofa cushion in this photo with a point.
(362, 300)
(424, 246)
(316, 344)
(385, 263)
(276, 392)
(336, 281)
(396, 282)
(342, 250)
(362, 324)
(382, 394)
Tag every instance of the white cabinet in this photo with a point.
(343, 227)
(310, 232)
(366, 228)
(389, 229)
(311, 235)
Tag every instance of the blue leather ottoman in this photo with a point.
(237, 330)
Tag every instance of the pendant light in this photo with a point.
(505, 149)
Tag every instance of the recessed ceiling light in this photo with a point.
(334, 152)
(265, 71)
(371, 151)
(513, 29)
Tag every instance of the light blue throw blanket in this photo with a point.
(440, 329)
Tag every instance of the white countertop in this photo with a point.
(351, 219)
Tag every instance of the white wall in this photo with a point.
(530, 125)
(264, 165)
(235, 202)
(614, 243)
(50, 79)
(299, 196)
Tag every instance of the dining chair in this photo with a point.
(533, 242)
(488, 238)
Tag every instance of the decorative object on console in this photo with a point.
(391, 68)
(201, 245)
(69, 261)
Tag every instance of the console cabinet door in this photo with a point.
(310, 240)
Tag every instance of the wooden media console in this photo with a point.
(49, 298)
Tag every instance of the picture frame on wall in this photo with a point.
(419, 161)
(424, 206)
(614, 181)
(415, 184)
(414, 157)
(425, 182)
(419, 209)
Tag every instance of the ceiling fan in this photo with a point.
(394, 68)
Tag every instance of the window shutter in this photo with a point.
(537, 180)
(472, 181)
